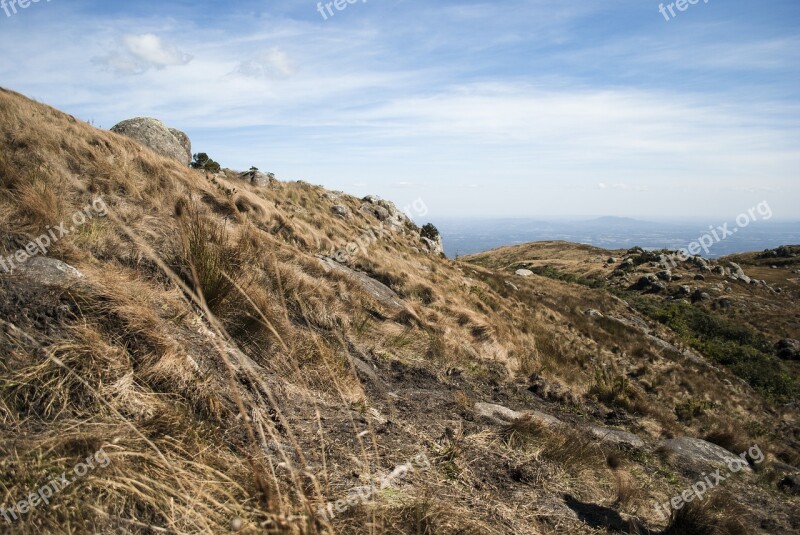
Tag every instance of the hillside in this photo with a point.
(195, 353)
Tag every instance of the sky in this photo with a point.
(511, 108)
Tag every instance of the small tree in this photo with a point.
(202, 161)
(430, 231)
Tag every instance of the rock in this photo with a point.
(434, 246)
(699, 277)
(648, 284)
(790, 484)
(512, 285)
(700, 295)
(683, 291)
(628, 262)
(700, 262)
(725, 304)
(48, 272)
(595, 314)
(695, 456)
(665, 275)
(257, 178)
(677, 276)
(616, 436)
(524, 272)
(379, 212)
(155, 135)
(745, 279)
(611, 260)
(379, 291)
(184, 140)
(499, 415)
(341, 211)
(718, 270)
(788, 349)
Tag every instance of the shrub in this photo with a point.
(430, 231)
(202, 161)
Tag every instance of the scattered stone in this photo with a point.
(665, 275)
(524, 272)
(699, 277)
(700, 295)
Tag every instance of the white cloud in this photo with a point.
(139, 53)
(272, 63)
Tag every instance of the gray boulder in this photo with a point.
(341, 211)
(155, 135)
(695, 456)
(524, 272)
(616, 436)
(49, 272)
(257, 178)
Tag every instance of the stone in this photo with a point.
(257, 178)
(379, 291)
(616, 436)
(594, 314)
(695, 456)
(341, 211)
(48, 272)
(790, 485)
(524, 272)
(156, 136)
(665, 275)
(499, 415)
(788, 349)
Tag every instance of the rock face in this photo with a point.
(155, 135)
(695, 456)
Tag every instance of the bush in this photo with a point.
(430, 231)
(202, 161)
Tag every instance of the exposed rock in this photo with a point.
(665, 275)
(48, 272)
(790, 484)
(595, 314)
(616, 436)
(155, 135)
(700, 295)
(725, 304)
(788, 349)
(341, 211)
(648, 284)
(433, 246)
(499, 415)
(699, 277)
(524, 272)
(382, 293)
(611, 260)
(257, 178)
(695, 456)
(375, 210)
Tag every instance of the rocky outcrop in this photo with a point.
(155, 135)
(788, 349)
(257, 178)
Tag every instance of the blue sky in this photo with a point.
(515, 108)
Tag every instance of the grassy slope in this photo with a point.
(211, 355)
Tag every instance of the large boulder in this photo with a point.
(155, 135)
